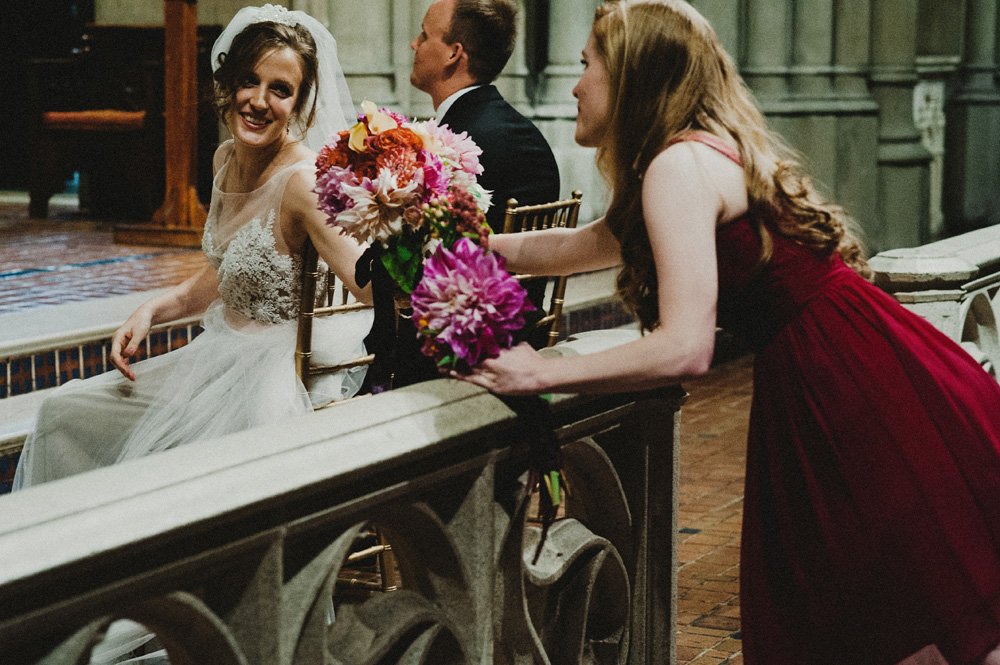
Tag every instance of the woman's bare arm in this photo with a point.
(683, 206)
(559, 251)
(340, 252)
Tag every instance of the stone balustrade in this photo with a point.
(230, 549)
(953, 283)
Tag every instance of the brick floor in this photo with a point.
(713, 454)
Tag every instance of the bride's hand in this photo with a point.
(513, 372)
(126, 340)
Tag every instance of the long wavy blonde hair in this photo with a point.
(669, 75)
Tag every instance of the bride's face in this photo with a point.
(593, 95)
(265, 101)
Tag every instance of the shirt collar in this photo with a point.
(450, 100)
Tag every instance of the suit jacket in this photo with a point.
(517, 161)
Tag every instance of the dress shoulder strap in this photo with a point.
(712, 141)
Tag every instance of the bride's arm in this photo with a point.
(559, 251)
(340, 252)
(190, 297)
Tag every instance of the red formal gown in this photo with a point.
(871, 522)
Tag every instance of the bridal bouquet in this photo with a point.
(410, 188)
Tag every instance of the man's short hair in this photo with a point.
(486, 29)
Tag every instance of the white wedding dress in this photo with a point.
(235, 375)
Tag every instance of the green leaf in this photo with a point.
(403, 260)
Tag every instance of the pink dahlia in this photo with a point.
(467, 305)
(458, 150)
(435, 177)
(330, 188)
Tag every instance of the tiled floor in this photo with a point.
(66, 258)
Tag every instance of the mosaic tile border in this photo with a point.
(52, 367)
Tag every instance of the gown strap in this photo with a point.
(712, 141)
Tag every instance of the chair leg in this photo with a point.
(39, 187)
(47, 165)
(38, 204)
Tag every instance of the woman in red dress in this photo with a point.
(872, 503)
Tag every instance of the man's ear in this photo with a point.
(457, 56)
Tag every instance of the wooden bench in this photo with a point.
(100, 111)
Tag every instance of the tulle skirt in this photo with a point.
(226, 380)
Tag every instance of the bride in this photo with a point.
(281, 92)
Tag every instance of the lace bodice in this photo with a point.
(258, 277)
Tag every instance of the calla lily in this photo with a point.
(378, 122)
(358, 136)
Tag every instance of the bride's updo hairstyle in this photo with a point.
(248, 47)
(669, 75)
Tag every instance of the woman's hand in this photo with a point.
(513, 372)
(126, 340)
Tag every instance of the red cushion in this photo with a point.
(97, 120)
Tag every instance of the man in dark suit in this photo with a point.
(462, 46)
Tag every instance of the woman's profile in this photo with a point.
(281, 93)
(871, 523)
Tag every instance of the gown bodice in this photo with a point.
(755, 302)
(257, 274)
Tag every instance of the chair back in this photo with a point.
(357, 578)
(311, 307)
(557, 214)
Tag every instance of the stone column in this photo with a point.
(808, 115)
(972, 142)
(903, 161)
(725, 17)
(939, 53)
(512, 82)
(417, 103)
(854, 180)
(568, 26)
(766, 51)
(366, 47)
(807, 63)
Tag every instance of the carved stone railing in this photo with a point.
(954, 284)
(230, 550)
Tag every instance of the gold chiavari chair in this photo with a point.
(557, 214)
(310, 310)
(370, 567)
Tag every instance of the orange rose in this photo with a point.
(393, 139)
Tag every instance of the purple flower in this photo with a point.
(435, 178)
(468, 304)
(330, 188)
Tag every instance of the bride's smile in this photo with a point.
(267, 98)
